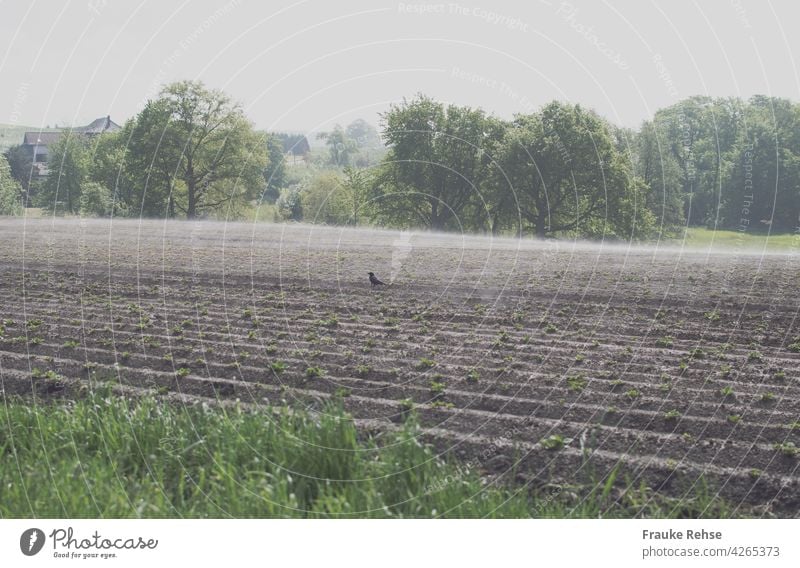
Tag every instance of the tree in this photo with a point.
(700, 134)
(290, 205)
(659, 170)
(275, 172)
(11, 195)
(340, 147)
(203, 154)
(761, 187)
(438, 161)
(20, 160)
(107, 153)
(568, 176)
(363, 134)
(149, 165)
(294, 144)
(97, 201)
(68, 162)
(355, 194)
(322, 200)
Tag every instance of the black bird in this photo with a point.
(374, 281)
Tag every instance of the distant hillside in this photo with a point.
(11, 134)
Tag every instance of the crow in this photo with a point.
(374, 281)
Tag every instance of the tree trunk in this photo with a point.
(540, 222)
(495, 228)
(541, 225)
(435, 221)
(191, 191)
(191, 208)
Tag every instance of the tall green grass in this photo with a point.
(106, 456)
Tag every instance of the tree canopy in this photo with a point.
(439, 159)
(552, 171)
(68, 162)
(203, 151)
(562, 170)
(567, 174)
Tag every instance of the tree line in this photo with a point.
(563, 170)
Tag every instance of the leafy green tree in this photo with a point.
(354, 195)
(107, 154)
(11, 194)
(322, 200)
(700, 133)
(20, 160)
(275, 172)
(290, 205)
(341, 147)
(761, 188)
(338, 199)
(149, 173)
(659, 170)
(437, 163)
(68, 164)
(363, 134)
(200, 152)
(294, 144)
(98, 201)
(568, 175)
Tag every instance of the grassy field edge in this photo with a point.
(113, 457)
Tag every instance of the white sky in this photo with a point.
(304, 65)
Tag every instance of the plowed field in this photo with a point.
(547, 361)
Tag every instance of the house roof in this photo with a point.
(99, 125)
(41, 138)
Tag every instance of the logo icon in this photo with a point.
(31, 542)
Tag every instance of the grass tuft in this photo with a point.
(112, 457)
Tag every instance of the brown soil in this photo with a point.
(597, 344)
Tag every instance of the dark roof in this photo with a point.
(98, 126)
(41, 138)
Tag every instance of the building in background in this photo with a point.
(37, 143)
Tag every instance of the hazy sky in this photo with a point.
(307, 64)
